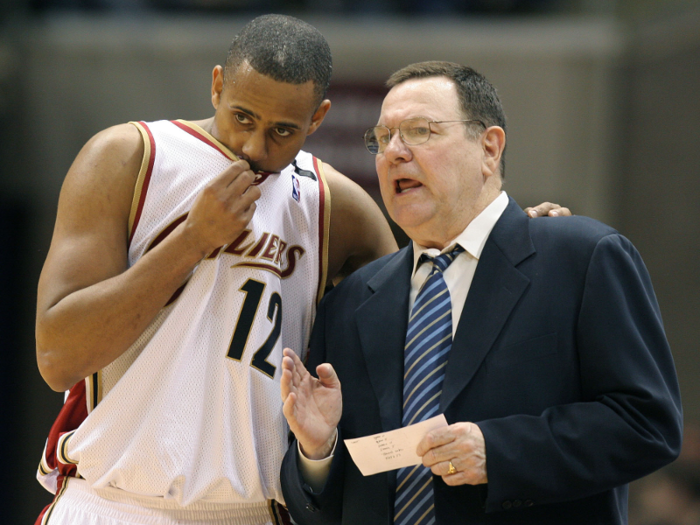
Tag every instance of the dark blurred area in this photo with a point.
(392, 7)
(604, 117)
(671, 496)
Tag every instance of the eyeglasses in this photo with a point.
(412, 131)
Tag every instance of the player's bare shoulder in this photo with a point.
(90, 235)
(108, 165)
(359, 233)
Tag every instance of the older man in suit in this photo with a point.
(540, 341)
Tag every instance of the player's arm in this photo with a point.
(90, 307)
(359, 233)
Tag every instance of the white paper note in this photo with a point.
(391, 450)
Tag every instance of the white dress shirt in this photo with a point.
(458, 278)
(459, 274)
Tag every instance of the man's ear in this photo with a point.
(494, 143)
(217, 85)
(319, 115)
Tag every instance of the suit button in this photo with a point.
(517, 503)
(507, 504)
(529, 503)
(310, 507)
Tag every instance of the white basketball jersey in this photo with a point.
(192, 411)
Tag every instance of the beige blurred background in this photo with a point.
(602, 97)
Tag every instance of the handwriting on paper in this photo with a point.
(391, 450)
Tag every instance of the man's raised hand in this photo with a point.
(312, 406)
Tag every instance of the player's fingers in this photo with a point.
(244, 214)
(548, 209)
(252, 193)
(560, 212)
(241, 182)
(244, 203)
(541, 210)
(232, 173)
(241, 192)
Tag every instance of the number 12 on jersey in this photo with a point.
(254, 291)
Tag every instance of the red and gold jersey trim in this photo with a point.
(324, 217)
(54, 460)
(44, 468)
(45, 516)
(279, 514)
(62, 449)
(204, 136)
(93, 390)
(200, 134)
(144, 176)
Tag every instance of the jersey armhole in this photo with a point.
(324, 220)
(144, 176)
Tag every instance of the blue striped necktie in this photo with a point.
(428, 343)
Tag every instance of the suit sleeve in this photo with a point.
(628, 422)
(306, 506)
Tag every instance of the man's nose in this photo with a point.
(397, 148)
(255, 147)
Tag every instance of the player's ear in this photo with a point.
(319, 115)
(217, 85)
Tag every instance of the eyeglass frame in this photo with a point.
(401, 134)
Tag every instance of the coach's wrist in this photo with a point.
(324, 451)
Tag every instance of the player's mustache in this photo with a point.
(254, 166)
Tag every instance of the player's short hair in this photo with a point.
(284, 48)
(478, 98)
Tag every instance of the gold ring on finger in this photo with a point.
(452, 469)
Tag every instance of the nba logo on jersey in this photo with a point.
(296, 192)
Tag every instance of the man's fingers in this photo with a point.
(434, 439)
(289, 409)
(548, 209)
(244, 202)
(292, 364)
(449, 442)
(236, 185)
(561, 212)
(296, 365)
(463, 475)
(287, 380)
(240, 168)
(288, 352)
(326, 374)
(252, 193)
(458, 454)
(541, 210)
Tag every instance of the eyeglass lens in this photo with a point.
(413, 132)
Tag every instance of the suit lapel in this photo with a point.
(381, 323)
(496, 288)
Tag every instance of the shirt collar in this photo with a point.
(474, 236)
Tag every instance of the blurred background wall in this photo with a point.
(604, 117)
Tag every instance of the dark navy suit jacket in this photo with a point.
(560, 357)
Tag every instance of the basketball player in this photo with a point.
(185, 256)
